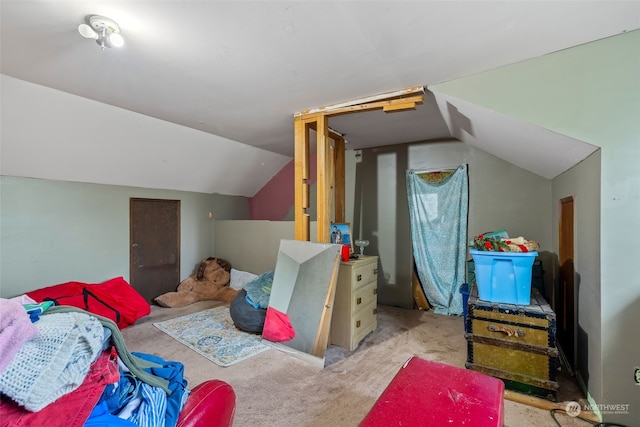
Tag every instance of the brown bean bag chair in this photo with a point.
(211, 282)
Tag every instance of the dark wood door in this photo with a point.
(566, 309)
(155, 246)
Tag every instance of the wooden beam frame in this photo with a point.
(330, 157)
(334, 109)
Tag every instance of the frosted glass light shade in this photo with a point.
(116, 40)
(87, 32)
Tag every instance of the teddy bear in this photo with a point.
(211, 282)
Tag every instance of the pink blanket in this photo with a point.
(15, 329)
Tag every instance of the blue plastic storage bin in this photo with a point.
(504, 276)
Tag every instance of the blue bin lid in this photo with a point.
(504, 254)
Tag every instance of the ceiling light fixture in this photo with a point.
(104, 31)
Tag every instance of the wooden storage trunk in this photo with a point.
(516, 343)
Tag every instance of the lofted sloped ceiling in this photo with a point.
(232, 74)
(523, 144)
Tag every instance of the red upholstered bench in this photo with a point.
(427, 393)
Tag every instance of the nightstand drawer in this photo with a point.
(364, 296)
(363, 322)
(363, 274)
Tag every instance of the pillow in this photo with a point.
(259, 289)
(240, 278)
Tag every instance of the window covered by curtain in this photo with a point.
(438, 208)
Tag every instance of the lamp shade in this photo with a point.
(116, 40)
(87, 32)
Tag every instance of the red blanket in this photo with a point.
(72, 409)
(114, 299)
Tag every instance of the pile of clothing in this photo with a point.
(499, 241)
(61, 365)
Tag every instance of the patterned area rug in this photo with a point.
(212, 334)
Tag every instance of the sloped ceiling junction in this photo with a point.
(231, 74)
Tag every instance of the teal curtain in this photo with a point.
(438, 209)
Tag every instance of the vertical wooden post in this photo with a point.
(339, 185)
(301, 175)
(323, 183)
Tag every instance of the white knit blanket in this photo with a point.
(55, 361)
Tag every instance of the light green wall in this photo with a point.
(590, 93)
(53, 232)
(583, 92)
(583, 183)
(501, 195)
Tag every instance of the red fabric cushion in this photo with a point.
(210, 404)
(114, 299)
(277, 326)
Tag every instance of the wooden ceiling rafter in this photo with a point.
(369, 102)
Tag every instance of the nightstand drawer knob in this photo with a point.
(359, 278)
(510, 332)
(358, 301)
(357, 323)
(375, 271)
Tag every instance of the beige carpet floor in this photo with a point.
(277, 389)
